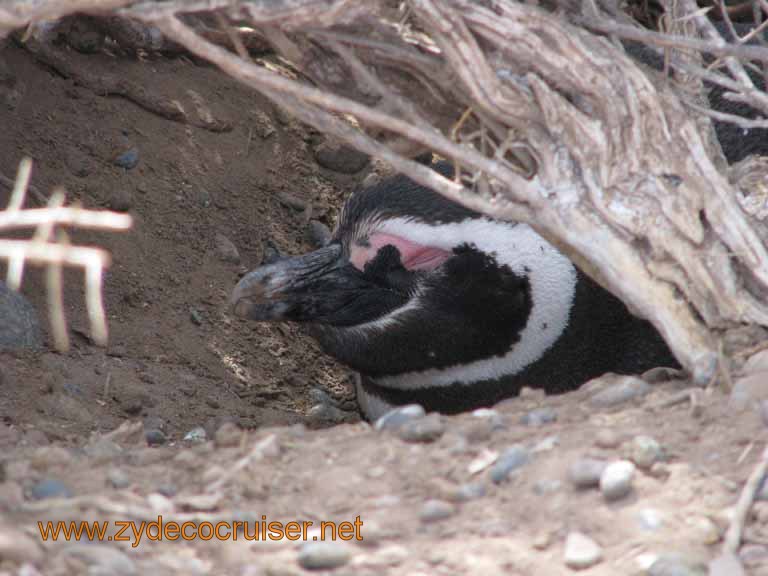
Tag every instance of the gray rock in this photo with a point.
(395, 418)
(616, 479)
(645, 452)
(323, 555)
(677, 565)
(581, 552)
(436, 510)
(227, 435)
(128, 159)
(340, 158)
(197, 434)
(546, 486)
(749, 391)
(101, 559)
(291, 201)
(586, 472)
(649, 519)
(509, 461)
(319, 234)
(225, 249)
(155, 437)
(607, 439)
(121, 200)
(19, 323)
(195, 316)
(326, 415)
(426, 429)
(470, 491)
(620, 390)
(539, 417)
(118, 479)
(50, 488)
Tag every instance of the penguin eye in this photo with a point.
(387, 269)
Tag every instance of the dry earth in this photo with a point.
(100, 434)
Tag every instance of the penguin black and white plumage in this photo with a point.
(434, 304)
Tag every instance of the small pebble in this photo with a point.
(118, 479)
(323, 555)
(621, 389)
(539, 417)
(426, 429)
(616, 479)
(509, 461)
(436, 510)
(703, 530)
(100, 559)
(195, 316)
(120, 200)
(19, 322)
(748, 392)
(319, 234)
(226, 251)
(649, 519)
(50, 488)
(291, 201)
(128, 159)
(677, 565)
(394, 419)
(581, 552)
(542, 487)
(340, 157)
(227, 435)
(542, 540)
(203, 197)
(155, 437)
(645, 452)
(197, 434)
(167, 490)
(586, 472)
(607, 439)
(470, 491)
(321, 415)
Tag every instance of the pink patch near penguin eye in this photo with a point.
(413, 256)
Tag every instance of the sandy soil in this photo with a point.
(100, 434)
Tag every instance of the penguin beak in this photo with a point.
(307, 288)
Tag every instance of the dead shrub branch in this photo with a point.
(50, 247)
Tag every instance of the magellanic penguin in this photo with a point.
(438, 305)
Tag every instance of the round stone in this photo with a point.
(616, 479)
(581, 552)
(586, 472)
(509, 461)
(323, 555)
(426, 429)
(436, 510)
(645, 452)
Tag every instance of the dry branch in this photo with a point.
(50, 247)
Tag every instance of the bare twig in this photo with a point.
(50, 247)
(732, 539)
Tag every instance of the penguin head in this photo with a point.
(413, 288)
